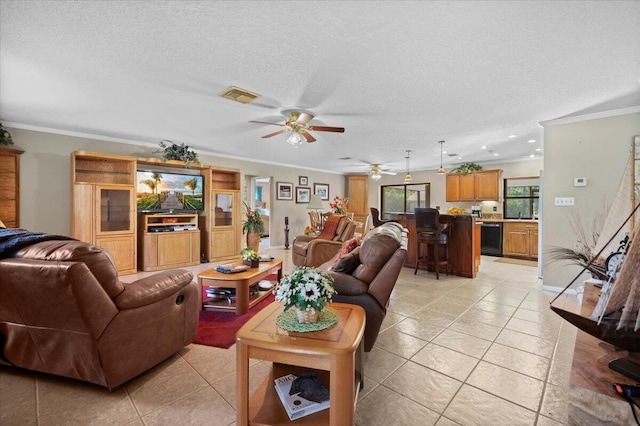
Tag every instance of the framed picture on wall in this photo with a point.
(284, 191)
(303, 180)
(321, 189)
(303, 194)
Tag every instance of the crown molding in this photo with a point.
(592, 116)
(154, 145)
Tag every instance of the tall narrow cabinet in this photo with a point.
(103, 204)
(221, 220)
(358, 194)
(10, 187)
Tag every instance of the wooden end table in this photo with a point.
(337, 350)
(241, 281)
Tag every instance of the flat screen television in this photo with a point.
(162, 192)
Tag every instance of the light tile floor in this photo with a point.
(453, 351)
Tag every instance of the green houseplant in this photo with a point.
(5, 136)
(173, 151)
(253, 226)
(466, 168)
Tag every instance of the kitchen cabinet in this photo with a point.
(358, 195)
(520, 239)
(474, 186)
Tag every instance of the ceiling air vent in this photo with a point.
(239, 95)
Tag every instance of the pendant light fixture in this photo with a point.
(408, 178)
(441, 170)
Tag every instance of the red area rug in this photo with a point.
(219, 328)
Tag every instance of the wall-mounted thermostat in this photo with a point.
(580, 181)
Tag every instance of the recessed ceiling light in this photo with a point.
(444, 152)
(538, 149)
(483, 147)
(512, 136)
(531, 140)
(531, 155)
(495, 153)
(459, 158)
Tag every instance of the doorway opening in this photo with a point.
(260, 200)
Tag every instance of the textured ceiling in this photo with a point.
(396, 75)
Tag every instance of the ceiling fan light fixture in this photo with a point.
(441, 170)
(408, 178)
(295, 139)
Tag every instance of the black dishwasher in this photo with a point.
(491, 238)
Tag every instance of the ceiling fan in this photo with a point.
(298, 124)
(376, 172)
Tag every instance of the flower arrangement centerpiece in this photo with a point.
(250, 257)
(253, 226)
(339, 205)
(309, 230)
(308, 290)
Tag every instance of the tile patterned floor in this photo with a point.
(453, 351)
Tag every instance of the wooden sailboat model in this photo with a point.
(618, 323)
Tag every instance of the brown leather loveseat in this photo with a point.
(379, 260)
(313, 251)
(64, 311)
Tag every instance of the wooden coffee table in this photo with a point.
(337, 350)
(241, 282)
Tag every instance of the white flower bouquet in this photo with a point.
(305, 288)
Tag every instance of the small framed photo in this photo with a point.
(303, 180)
(321, 189)
(284, 191)
(303, 194)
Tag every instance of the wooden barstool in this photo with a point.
(433, 235)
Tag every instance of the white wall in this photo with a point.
(45, 181)
(597, 149)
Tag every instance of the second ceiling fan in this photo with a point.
(298, 124)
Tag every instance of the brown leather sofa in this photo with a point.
(313, 251)
(381, 256)
(64, 311)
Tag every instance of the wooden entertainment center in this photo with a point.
(104, 213)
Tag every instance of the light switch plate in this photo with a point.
(564, 201)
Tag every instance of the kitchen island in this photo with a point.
(464, 242)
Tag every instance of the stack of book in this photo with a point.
(230, 268)
(290, 389)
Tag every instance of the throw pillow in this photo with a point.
(347, 247)
(347, 263)
(2, 225)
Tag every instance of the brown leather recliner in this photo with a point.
(313, 251)
(381, 255)
(64, 311)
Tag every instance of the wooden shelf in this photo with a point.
(265, 407)
(225, 305)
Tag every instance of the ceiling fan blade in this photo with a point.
(327, 129)
(308, 137)
(304, 118)
(266, 122)
(275, 133)
(388, 173)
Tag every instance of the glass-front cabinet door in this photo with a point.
(115, 210)
(223, 206)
